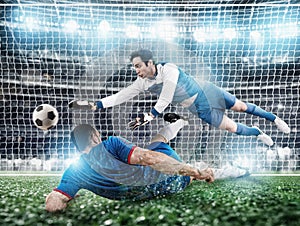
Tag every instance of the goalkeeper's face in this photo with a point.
(143, 69)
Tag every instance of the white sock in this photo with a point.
(170, 131)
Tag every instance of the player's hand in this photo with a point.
(82, 105)
(206, 174)
(140, 121)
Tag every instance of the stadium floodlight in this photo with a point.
(104, 27)
(286, 30)
(30, 23)
(230, 33)
(132, 31)
(200, 35)
(166, 30)
(72, 160)
(71, 26)
(214, 34)
(255, 36)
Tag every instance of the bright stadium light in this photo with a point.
(104, 27)
(71, 26)
(255, 35)
(230, 33)
(30, 23)
(199, 35)
(132, 31)
(214, 34)
(287, 30)
(70, 161)
(166, 30)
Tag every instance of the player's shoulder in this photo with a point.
(166, 66)
(116, 139)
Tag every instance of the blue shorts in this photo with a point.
(211, 105)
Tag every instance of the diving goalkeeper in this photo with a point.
(173, 85)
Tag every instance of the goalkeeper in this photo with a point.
(118, 170)
(173, 85)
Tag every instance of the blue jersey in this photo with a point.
(106, 171)
(173, 85)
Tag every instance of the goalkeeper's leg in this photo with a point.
(169, 132)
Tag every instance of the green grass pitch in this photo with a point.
(266, 201)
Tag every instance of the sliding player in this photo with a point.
(118, 170)
(173, 85)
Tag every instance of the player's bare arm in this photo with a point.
(163, 163)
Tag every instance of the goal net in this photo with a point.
(55, 53)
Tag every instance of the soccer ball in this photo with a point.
(45, 116)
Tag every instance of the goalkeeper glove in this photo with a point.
(83, 105)
(140, 121)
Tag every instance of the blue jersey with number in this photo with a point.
(106, 172)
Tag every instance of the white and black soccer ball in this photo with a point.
(45, 116)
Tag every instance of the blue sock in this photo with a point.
(246, 130)
(255, 110)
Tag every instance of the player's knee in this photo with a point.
(239, 106)
(228, 124)
(231, 129)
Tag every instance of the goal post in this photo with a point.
(55, 53)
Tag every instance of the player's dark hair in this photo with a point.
(81, 135)
(144, 54)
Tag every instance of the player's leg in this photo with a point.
(169, 132)
(165, 134)
(257, 111)
(241, 129)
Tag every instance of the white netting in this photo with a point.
(54, 53)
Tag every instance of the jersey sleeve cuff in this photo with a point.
(154, 112)
(63, 193)
(130, 154)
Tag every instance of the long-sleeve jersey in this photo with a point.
(169, 82)
(173, 85)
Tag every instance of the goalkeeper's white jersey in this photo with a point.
(170, 83)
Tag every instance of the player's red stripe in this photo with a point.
(130, 153)
(61, 192)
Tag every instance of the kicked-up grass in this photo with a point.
(251, 201)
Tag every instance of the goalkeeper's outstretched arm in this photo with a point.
(110, 101)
